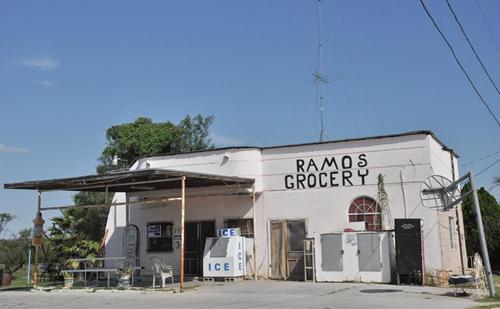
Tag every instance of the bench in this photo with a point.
(90, 270)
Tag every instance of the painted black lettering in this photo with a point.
(322, 180)
(346, 162)
(312, 164)
(300, 165)
(362, 160)
(346, 175)
(300, 181)
(289, 181)
(360, 174)
(311, 180)
(328, 163)
(333, 176)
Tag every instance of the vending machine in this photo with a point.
(224, 255)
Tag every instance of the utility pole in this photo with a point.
(450, 203)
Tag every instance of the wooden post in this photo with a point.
(183, 206)
(254, 236)
(35, 264)
(35, 271)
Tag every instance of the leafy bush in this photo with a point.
(13, 251)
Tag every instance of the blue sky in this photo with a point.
(71, 69)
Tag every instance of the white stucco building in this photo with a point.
(301, 191)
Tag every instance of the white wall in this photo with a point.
(115, 226)
(324, 209)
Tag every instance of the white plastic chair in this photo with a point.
(161, 270)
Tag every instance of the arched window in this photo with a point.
(365, 209)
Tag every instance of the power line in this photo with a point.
(472, 47)
(488, 26)
(488, 167)
(481, 158)
(459, 63)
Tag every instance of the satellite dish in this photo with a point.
(436, 192)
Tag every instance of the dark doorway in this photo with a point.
(409, 251)
(287, 249)
(195, 236)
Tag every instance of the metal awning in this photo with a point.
(135, 181)
(131, 181)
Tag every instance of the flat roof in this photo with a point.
(409, 133)
(131, 181)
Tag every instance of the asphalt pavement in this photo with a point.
(245, 294)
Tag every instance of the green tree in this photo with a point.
(143, 137)
(79, 231)
(490, 211)
(5, 218)
(13, 251)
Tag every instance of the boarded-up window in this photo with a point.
(369, 252)
(365, 209)
(331, 252)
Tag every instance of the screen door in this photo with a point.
(278, 251)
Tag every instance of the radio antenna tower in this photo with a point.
(318, 75)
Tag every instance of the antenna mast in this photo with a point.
(318, 76)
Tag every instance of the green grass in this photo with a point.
(495, 299)
(19, 281)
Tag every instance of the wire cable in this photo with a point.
(459, 63)
(488, 26)
(472, 46)
(487, 168)
(481, 158)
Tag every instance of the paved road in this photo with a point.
(247, 294)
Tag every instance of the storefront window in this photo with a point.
(159, 236)
(245, 225)
(365, 209)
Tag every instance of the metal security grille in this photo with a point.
(245, 225)
(196, 234)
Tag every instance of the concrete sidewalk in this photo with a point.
(246, 294)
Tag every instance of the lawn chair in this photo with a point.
(475, 280)
(161, 270)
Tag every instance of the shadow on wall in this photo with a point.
(114, 246)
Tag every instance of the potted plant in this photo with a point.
(69, 279)
(123, 276)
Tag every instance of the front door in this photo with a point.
(287, 249)
(195, 236)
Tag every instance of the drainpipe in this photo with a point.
(401, 172)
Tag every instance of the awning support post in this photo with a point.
(254, 236)
(35, 264)
(183, 206)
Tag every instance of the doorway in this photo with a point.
(287, 249)
(196, 233)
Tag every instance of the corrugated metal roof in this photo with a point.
(131, 181)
